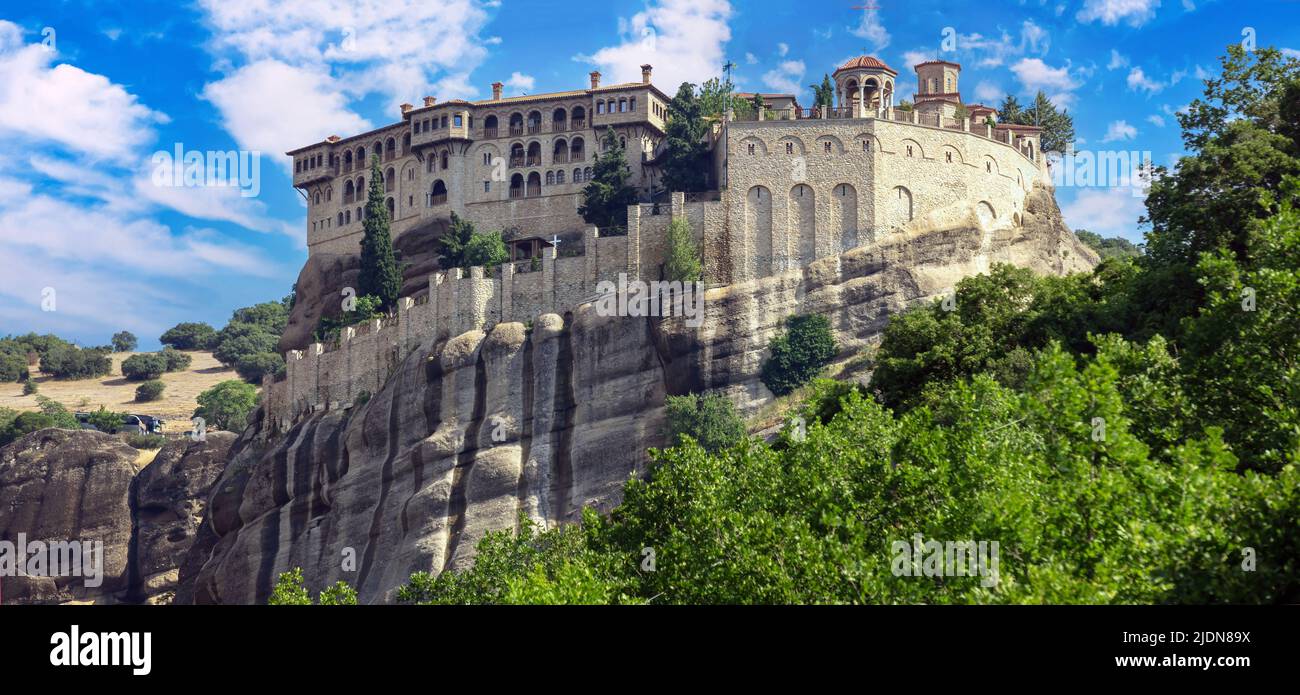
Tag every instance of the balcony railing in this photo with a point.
(559, 127)
(534, 161)
(560, 158)
(579, 123)
(437, 198)
(517, 192)
(489, 132)
(534, 128)
(516, 130)
(578, 157)
(516, 162)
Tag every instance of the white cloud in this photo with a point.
(751, 59)
(1155, 120)
(1034, 75)
(1117, 61)
(1203, 74)
(988, 93)
(272, 107)
(1291, 53)
(1139, 82)
(1112, 12)
(79, 111)
(1119, 131)
(912, 58)
(682, 39)
(871, 29)
(520, 83)
(786, 77)
(1106, 211)
(783, 49)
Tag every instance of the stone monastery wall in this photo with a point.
(795, 191)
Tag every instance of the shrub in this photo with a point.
(797, 356)
(239, 340)
(366, 307)
(151, 390)
(13, 364)
(144, 367)
(227, 405)
(252, 368)
(189, 336)
(124, 342)
(105, 420)
(709, 419)
(683, 263)
(289, 591)
(486, 249)
(70, 362)
(176, 360)
(146, 441)
(30, 387)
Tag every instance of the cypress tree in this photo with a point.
(380, 275)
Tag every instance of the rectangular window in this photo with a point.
(459, 121)
(444, 121)
(487, 186)
(600, 107)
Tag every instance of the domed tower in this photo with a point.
(865, 86)
(937, 88)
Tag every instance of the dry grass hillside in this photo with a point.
(116, 393)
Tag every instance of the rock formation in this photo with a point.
(469, 433)
(59, 486)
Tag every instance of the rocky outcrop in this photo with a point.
(543, 420)
(130, 526)
(319, 289)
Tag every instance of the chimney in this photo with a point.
(595, 79)
(496, 91)
(332, 138)
(429, 101)
(406, 107)
(645, 73)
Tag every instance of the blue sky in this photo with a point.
(90, 91)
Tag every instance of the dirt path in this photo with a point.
(116, 393)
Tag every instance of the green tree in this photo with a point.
(1009, 111)
(253, 367)
(106, 421)
(1112, 247)
(144, 366)
(452, 244)
(709, 419)
(683, 262)
(1057, 125)
(149, 391)
(380, 274)
(486, 249)
(189, 336)
(290, 591)
(685, 144)
(824, 93)
(606, 197)
(796, 356)
(71, 362)
(227, 405)
(176, 360)
(124, 341)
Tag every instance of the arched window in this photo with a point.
(534, 154)
(577, 175)
(560, 151)
(347, 161)
(443, 160)
(516, 124)
(586, 174)
(347, 216)
(579, 118)
(406, 144)
(438, 193)
(517, 186)
(534, 185)
(559, 121)
(361, 187)
(517, 154)
(577, 150)
(316, 198)
(490, 127)
(340, 219)
(534, 122)
(428, 165)
(361, 158)
(392, 207)
(349, 192)
(390, 178)
(550, 178)
(378, 148)
(559, 176)
(390, 150)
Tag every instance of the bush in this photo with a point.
(146, 441)
(227, 405)
(189, 336)
(239, 340)
(289, 591)
(710, 419)
(683, 264)
(105, 420)
(151, 390)
(176, 360)
(30, 387)
(144, 367)
(13, 364)
(252, 368)
(366, 307)
(799, 355)
(57, 413)
(70, 362)
(124, 342)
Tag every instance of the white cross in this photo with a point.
(556, 240)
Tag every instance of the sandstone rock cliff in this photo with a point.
(81, 485)
(543, 420)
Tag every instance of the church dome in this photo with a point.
(867, 63)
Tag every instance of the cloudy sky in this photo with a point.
(90, 92)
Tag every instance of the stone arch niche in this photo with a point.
(802, 211)
(900, 206)
(844, 215)
(758, 230)
(986, 213)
